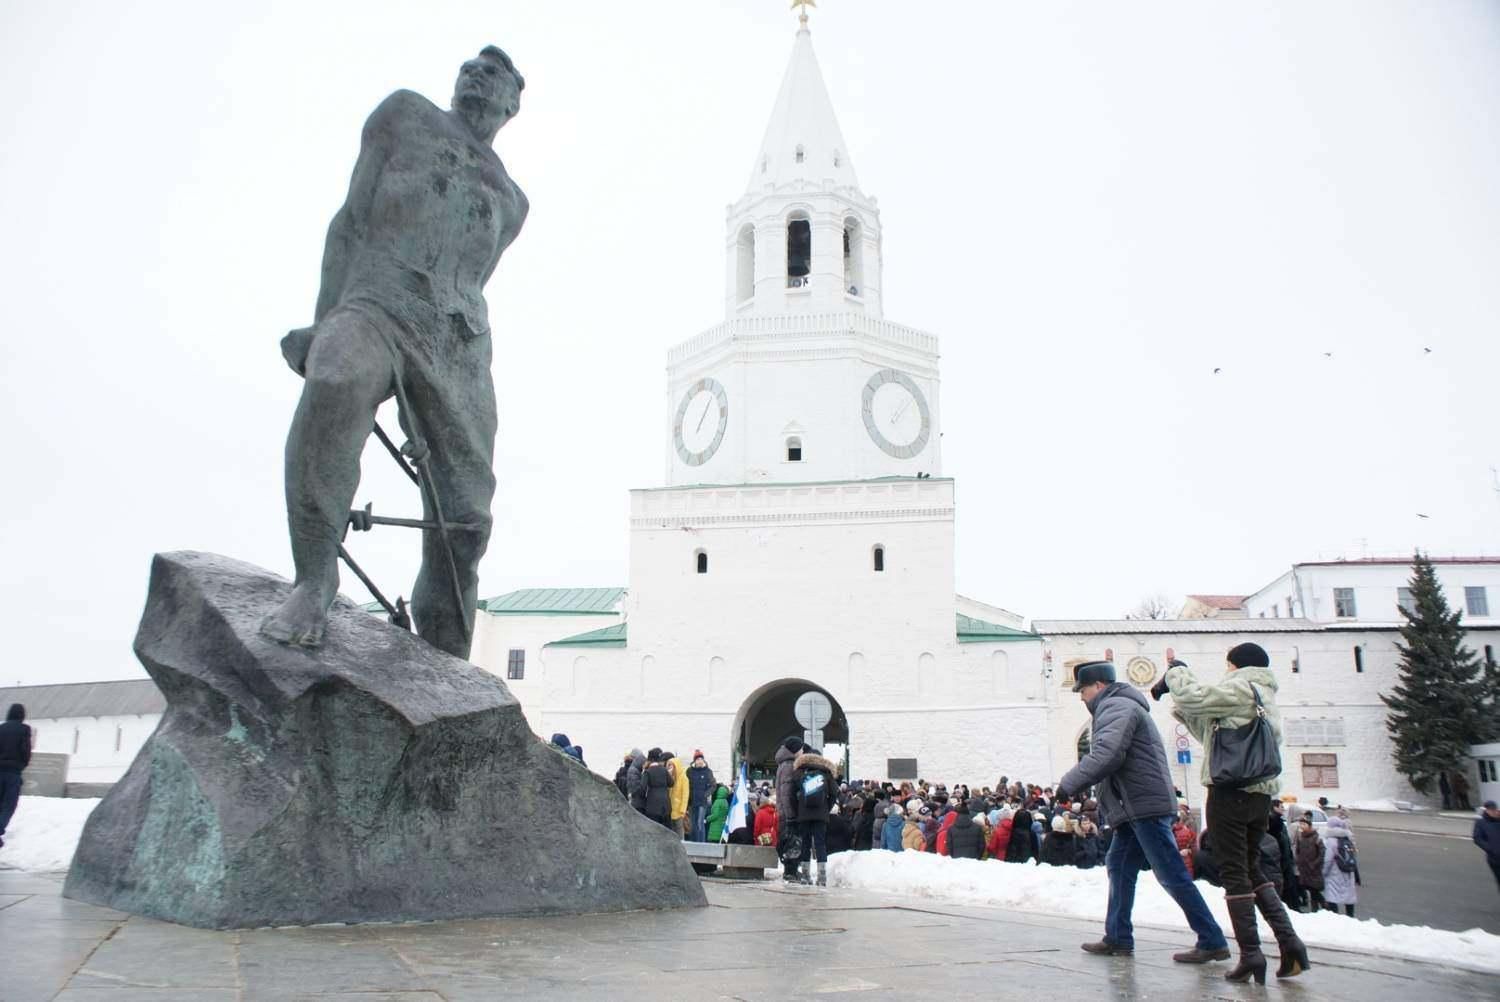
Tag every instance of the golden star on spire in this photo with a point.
(804, 4)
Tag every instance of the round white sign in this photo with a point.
(813, 710)
(1182, 744)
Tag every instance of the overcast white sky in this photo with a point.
(1093, 205)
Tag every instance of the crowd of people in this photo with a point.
(1012, 822)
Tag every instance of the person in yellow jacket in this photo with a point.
(912, 839)
(1238, 815)
(680, 792)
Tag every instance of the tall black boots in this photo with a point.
(1293, 953)
(1252, 962)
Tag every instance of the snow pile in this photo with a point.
(44, 833)
(1081, 894)
(1385, 804)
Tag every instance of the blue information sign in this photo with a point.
(1184, 757)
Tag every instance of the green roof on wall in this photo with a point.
(609, 636)
(977, 631)
(555, 602)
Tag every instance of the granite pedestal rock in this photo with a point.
(374, 779)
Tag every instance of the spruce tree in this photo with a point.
(1437, 705)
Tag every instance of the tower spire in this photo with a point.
(802, 14)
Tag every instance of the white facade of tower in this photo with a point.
(804, 535)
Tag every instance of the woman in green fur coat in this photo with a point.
(718, 813)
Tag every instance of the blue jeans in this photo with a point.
(1149, 840)
(698, 823)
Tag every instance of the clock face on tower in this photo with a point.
(896, 414)
(702, 419)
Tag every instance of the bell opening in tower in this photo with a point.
(798, 251)
(854, 256)
(745, 265)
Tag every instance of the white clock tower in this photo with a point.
(803, 540)
(805, 380)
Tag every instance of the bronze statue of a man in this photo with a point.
(401, 312)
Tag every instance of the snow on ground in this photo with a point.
(1385, 804)
(44, 833)
(1081, 894)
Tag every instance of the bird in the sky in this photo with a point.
(1427, 351)
(1420, 515)
(1216, 370)
(1327, 354)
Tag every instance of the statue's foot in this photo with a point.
(301, 618)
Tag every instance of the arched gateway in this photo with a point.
(768, 717)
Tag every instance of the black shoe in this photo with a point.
(1105, 948)
(1197, 955)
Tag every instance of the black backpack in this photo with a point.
(1344, 858)
(813, 791)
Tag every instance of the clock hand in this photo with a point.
(706, 406)
(900, 410)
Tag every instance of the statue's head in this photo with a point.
(488, 90)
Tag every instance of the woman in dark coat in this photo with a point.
(657, 783)
(1020, 850)
(864, 824)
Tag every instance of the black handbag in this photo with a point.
(1244, 755)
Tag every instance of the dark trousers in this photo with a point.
(10, 792)
(1236, 823)
(814, 840)
(789, 866)
(1348, 909)
(1494, 868)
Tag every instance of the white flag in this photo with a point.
(739, 805)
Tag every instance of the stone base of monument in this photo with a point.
(373, 779)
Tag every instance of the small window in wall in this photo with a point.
(1343, 603)
(119, 735)
(515, 664)
(1487, 770)
(1405, 602)
(1476, 601)
(801, 154)
(1275, 611)
(1359, 658)
(879, 553)
(701, 560)
(1320, 771)
(1296, 660)
(1489, 654)
(75, 741)
(794, 449)
(1289, 612)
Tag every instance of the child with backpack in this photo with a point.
(1340, 866)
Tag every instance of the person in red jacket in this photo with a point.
(1000, 840)
(1186, 841)
(766, 823)
(942, 836)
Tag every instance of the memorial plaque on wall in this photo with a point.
(901, 768)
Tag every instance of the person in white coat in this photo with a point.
(1339, 885)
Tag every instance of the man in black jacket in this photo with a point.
(1486, 836)
(15, 756)
(813, 790)
(965, 838)
(786, 807)
(1128, 764)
